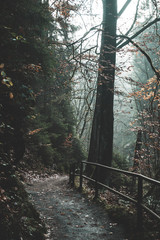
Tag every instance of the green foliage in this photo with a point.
(121, 215)
(127, 217)
(35, 96)
(54, 144)
(47, 155)
(22, 30)
(119, 180)
(119, 162)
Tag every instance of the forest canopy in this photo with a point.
(36, 113)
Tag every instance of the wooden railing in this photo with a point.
(97, 184)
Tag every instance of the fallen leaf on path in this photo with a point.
(79, 226)
(102, 226)
(63, 213)
(69, 223)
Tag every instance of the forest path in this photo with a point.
(68, 215)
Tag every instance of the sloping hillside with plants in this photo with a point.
(36, 117)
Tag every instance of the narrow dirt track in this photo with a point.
(68, 215)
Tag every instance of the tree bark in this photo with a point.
(101, 142)
(138, 147)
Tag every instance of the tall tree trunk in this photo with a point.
(102, 128)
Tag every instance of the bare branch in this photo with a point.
(137, 33)
(124, 8)
(80, 39)
(143, 52)
(134, 21)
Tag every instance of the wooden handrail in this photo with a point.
(138, 202)
(124, 172)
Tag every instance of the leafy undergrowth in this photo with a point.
(18, 218)
(122, 212)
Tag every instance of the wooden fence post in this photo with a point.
(139, 207)
(72, 174)
(81, 177)
(96, 184)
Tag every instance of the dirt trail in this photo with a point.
(68, 215)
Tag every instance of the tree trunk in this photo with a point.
(138, 147)
(102, 127)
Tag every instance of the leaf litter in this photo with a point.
(67, 214)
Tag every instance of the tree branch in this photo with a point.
(80, 39)
(135, 18)
(137, 33)
(129, 40)
(124, 8)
